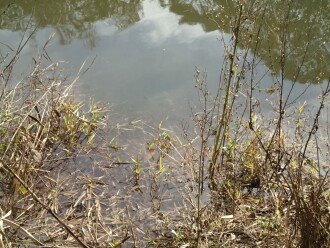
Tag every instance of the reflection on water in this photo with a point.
(306, 23)
(71, 19)
(147, 50)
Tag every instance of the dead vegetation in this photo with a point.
(234, 177)
(45, 138)
(266, 174)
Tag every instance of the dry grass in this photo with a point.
(230, 178)
(46, 140)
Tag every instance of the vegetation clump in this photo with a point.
(266, 173)
(243, 173)
(43, 132)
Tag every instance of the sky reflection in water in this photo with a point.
(146, 55)
(149, 67)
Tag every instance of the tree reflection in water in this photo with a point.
(72, 19)
(303, 22)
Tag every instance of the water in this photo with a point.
(146, 51)
(144, 66)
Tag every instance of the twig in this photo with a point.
(131, 226)
(46, 207)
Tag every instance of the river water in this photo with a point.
(146, 51)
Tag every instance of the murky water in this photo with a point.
(146, 51)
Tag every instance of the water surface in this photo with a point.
(146, 51)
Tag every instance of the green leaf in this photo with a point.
(66, 122)
(161, 167)
(22, 190)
